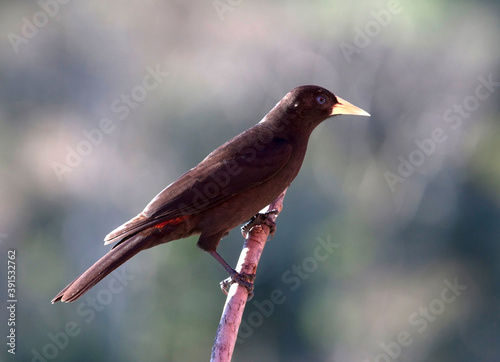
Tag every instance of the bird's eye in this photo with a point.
(320, 99)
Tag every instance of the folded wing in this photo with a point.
(228, 171)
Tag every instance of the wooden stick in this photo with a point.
(229, 324)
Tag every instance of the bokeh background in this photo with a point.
(401, 222)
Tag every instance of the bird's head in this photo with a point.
(319, 103)
(310, 105)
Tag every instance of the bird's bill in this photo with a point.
(344, 107)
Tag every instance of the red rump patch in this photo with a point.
(172, 222)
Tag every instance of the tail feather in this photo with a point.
(109, 262)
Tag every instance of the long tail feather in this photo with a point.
(109, 262)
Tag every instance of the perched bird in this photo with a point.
(224, 190)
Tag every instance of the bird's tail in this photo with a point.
(109, 262)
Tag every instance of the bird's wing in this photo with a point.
(230, 170)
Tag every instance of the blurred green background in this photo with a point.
(406, 203)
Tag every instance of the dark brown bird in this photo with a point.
(224, 190)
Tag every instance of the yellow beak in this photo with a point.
(344, 107)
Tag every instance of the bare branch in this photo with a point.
(227, 332)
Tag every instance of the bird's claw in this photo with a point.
(243, 279)
(260, 219)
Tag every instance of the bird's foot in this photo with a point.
(259, 219)
(243, 279)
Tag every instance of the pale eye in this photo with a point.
(320, 99)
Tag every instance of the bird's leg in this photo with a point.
(243, 279)
(259, 219)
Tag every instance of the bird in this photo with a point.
(230, 186)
